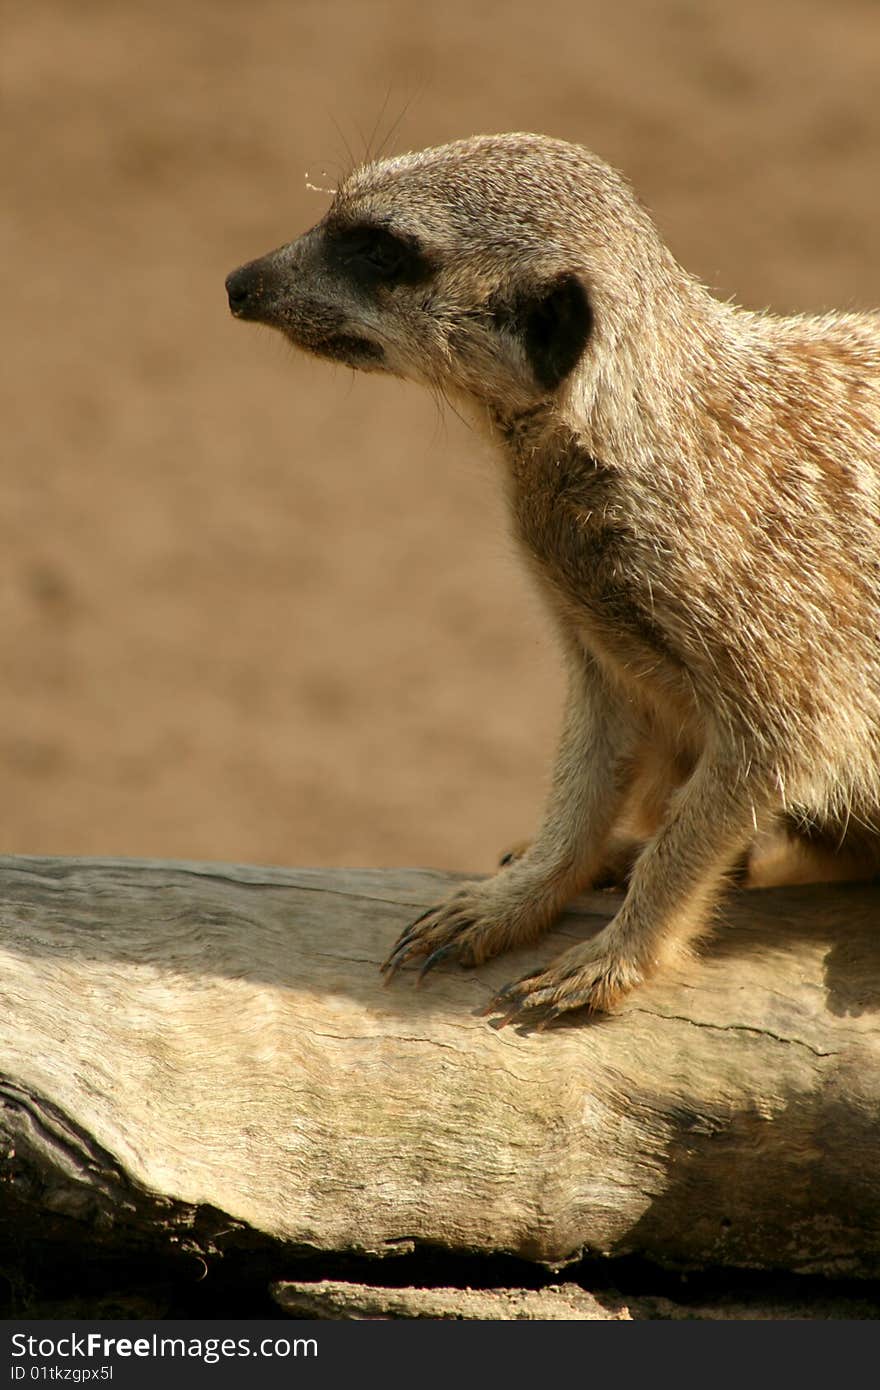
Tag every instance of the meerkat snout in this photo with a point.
(695, 488)
(245, 288)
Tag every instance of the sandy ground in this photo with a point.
(252, 607)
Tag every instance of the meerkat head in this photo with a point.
(491, 267)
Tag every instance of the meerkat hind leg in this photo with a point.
(802, 850)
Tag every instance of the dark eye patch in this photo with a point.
(374, 255)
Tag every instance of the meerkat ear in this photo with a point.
(556, 325)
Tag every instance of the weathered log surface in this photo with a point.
(338, 1299)
(335, 1299)
(186, 1047)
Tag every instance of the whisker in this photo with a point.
(407, 104)
(375, 131)
(348, 150)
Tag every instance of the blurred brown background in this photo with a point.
(252, 607)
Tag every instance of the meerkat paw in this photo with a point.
(472, 925)
(588, 976)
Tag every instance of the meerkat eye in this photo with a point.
(382, 252)
(376, 256)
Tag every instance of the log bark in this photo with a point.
(191, 1048)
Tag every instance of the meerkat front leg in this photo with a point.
(673, 887)
(484, 918)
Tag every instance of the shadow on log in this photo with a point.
(196, 1050)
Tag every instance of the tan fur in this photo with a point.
(698, 497)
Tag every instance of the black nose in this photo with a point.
(244, 287)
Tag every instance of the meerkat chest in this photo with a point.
(572, 520)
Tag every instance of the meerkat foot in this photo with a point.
(588, 977)
(472, 925)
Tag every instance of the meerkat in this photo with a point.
(696, 490)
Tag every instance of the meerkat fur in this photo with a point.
(696, 490)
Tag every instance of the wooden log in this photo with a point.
(339, 1299)
(189, 1048)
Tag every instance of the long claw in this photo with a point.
(505, 996)
(435, 957)
(530, 1016)
(391, 959)
(506, 1007)
(398, 953)
(427, 912)
(499, 1002)
(395, 959)
(410, 932)
(518, 1003)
